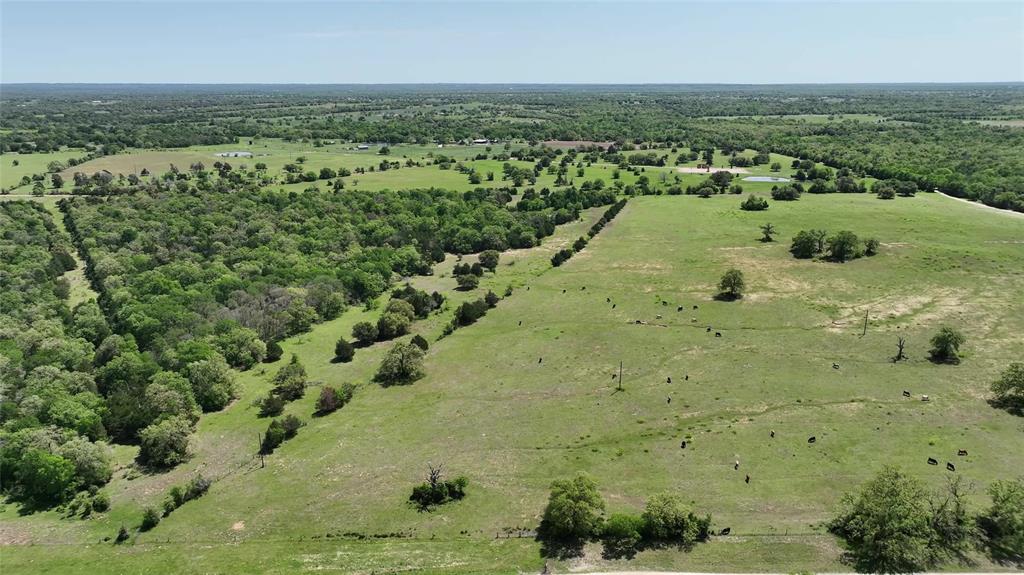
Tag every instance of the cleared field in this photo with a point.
(31, 164)
(490, 409)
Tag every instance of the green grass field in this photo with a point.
(490, 410)
(277, 153)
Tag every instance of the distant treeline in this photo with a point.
(920, 134)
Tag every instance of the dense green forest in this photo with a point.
(923, 133)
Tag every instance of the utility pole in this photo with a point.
(620, 376)
(865, 332)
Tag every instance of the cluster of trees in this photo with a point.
(889, 189)
(895, 525)
(754, 204)
(437, 491)
(839, 247)
(279, 431)
(563, 255)
(228, 284)
(179, 495)
(574, 515)
(930, 144)
(717, 183)
(57, 409)
(467, 276)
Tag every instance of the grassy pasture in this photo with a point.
(277, 153)
(490, 409)
(29, 165)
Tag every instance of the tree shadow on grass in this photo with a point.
(726, 296)
(561, 549)
(1008, 405)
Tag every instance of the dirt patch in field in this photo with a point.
(687, 170)
(901, 308)
(238, 526)
(764, 271)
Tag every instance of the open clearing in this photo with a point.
(489, 410)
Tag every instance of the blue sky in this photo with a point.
(508, 42)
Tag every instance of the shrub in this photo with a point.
(328, 400)
(806, 244)
(491, 298)
(560, 257)
(871, 247)
(1009, 388)
(468, 312)
(364, 332)
(290, 380)
(754, 204)
(436, 491)
(467, 281)
(666, 519)
(402, 364)
(890, 527)
(489, 259)
(844, 246)
(420, 342)
(213, 383)
(291, 426)
(391, 325)
(785, 193)
(401, 307)
(344, 351)
(946, 345)
(1003, 523)
(150, 519)
(621, 535)
(270, 406)
(122, 535)
(573, 512)
(101, 502)
(44, 478)
(165, 444)
(273, 437)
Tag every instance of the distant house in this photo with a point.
(481, 141)
(363, 147)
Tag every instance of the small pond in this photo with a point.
(765, 179)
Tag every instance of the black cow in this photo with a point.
(668, 399)
(718, 334)
(962, 452)
(835, 366)
(725, 531)
(563, 291)
(709, 329)
(906, 393)
(747, 479)
(540, 360)
(613, 306)
(607, 300)
(520, 322)
(694, 307)
(670, 379)
(680, 308)
(771, 434)
(584, 288)
(932, 461)
(686, 377)
(682, 445)
(812, 439)
(950, 466)
(664, 303)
